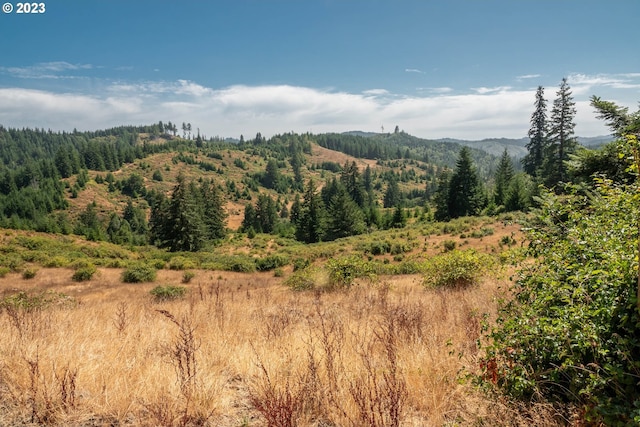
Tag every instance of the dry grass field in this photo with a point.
(244, 350)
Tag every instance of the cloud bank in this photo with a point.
(483, 112)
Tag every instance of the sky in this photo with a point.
(464, 69)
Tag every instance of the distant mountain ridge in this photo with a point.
(495, 146)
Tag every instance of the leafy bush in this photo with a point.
(449, 245)
(187, 276)
(138, 273)
(304, 280)
(181, 263)
(343, 271)
(168, 292)
(455, 268)
(571, 333)
(27, 302)
(300, 263)
(84, 272)
(29, 273)
(271, 262)
(4, 271)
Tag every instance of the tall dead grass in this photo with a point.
(384, 354)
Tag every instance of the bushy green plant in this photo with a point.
(449, 245)
(305, 279)
(572, 332)
(271, 262)
(31, 302)
(188, 276)
(138, 273)
(4, 271)
(168, 292)
(181, 263)
(343, 271)
(455, 268)
(29, 273)
(84, 272)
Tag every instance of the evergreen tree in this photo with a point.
(249, 218)
(533, 161)
(392, 196)
(187, 230)
(441, 197)
(561, 140)
(350, 179)
(345, 216)
(266, 214)
(504, 175)
(466, 196)
(310, 227)
(214, 215)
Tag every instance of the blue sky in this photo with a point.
(455, 68)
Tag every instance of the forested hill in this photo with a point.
(48, 179)
(398, 145)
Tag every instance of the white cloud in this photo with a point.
(413, 70)
(45, 70)
(485, 90)
(482, 113)
(528, 76)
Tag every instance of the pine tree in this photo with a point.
(465, 190)
(345, 216)
(441, 197)
(504, 175)
(310, 226)
(187, 231)
(214, 215)
(392, 197)
(561, 142)
(350, 178)
(533, 161)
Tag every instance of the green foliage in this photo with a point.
(456, 269)
(181, 263)
(449, 245)
(29, 273)
(188, 276)
(168, 292)
(31, 302)
(271, 262)
(138, 273)
(571, 332)
(4, 271)
(343, 271)
(84, 271)
(304, 279)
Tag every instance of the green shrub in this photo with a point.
(301, 263)
(138, 273)
(187, 276)
(571, 333)
(27, 302)
(278, 272)
(56, 262)
(343, 271)
(449, 245)
(29, 273)
(84, 272)
(168, 292)
(271, 262)
(4, 271)
(455, 268)
(181, 263)
(304, 280)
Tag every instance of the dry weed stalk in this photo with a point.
(280, 404)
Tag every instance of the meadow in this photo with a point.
(244, 349)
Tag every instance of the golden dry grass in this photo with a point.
(240, 348)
